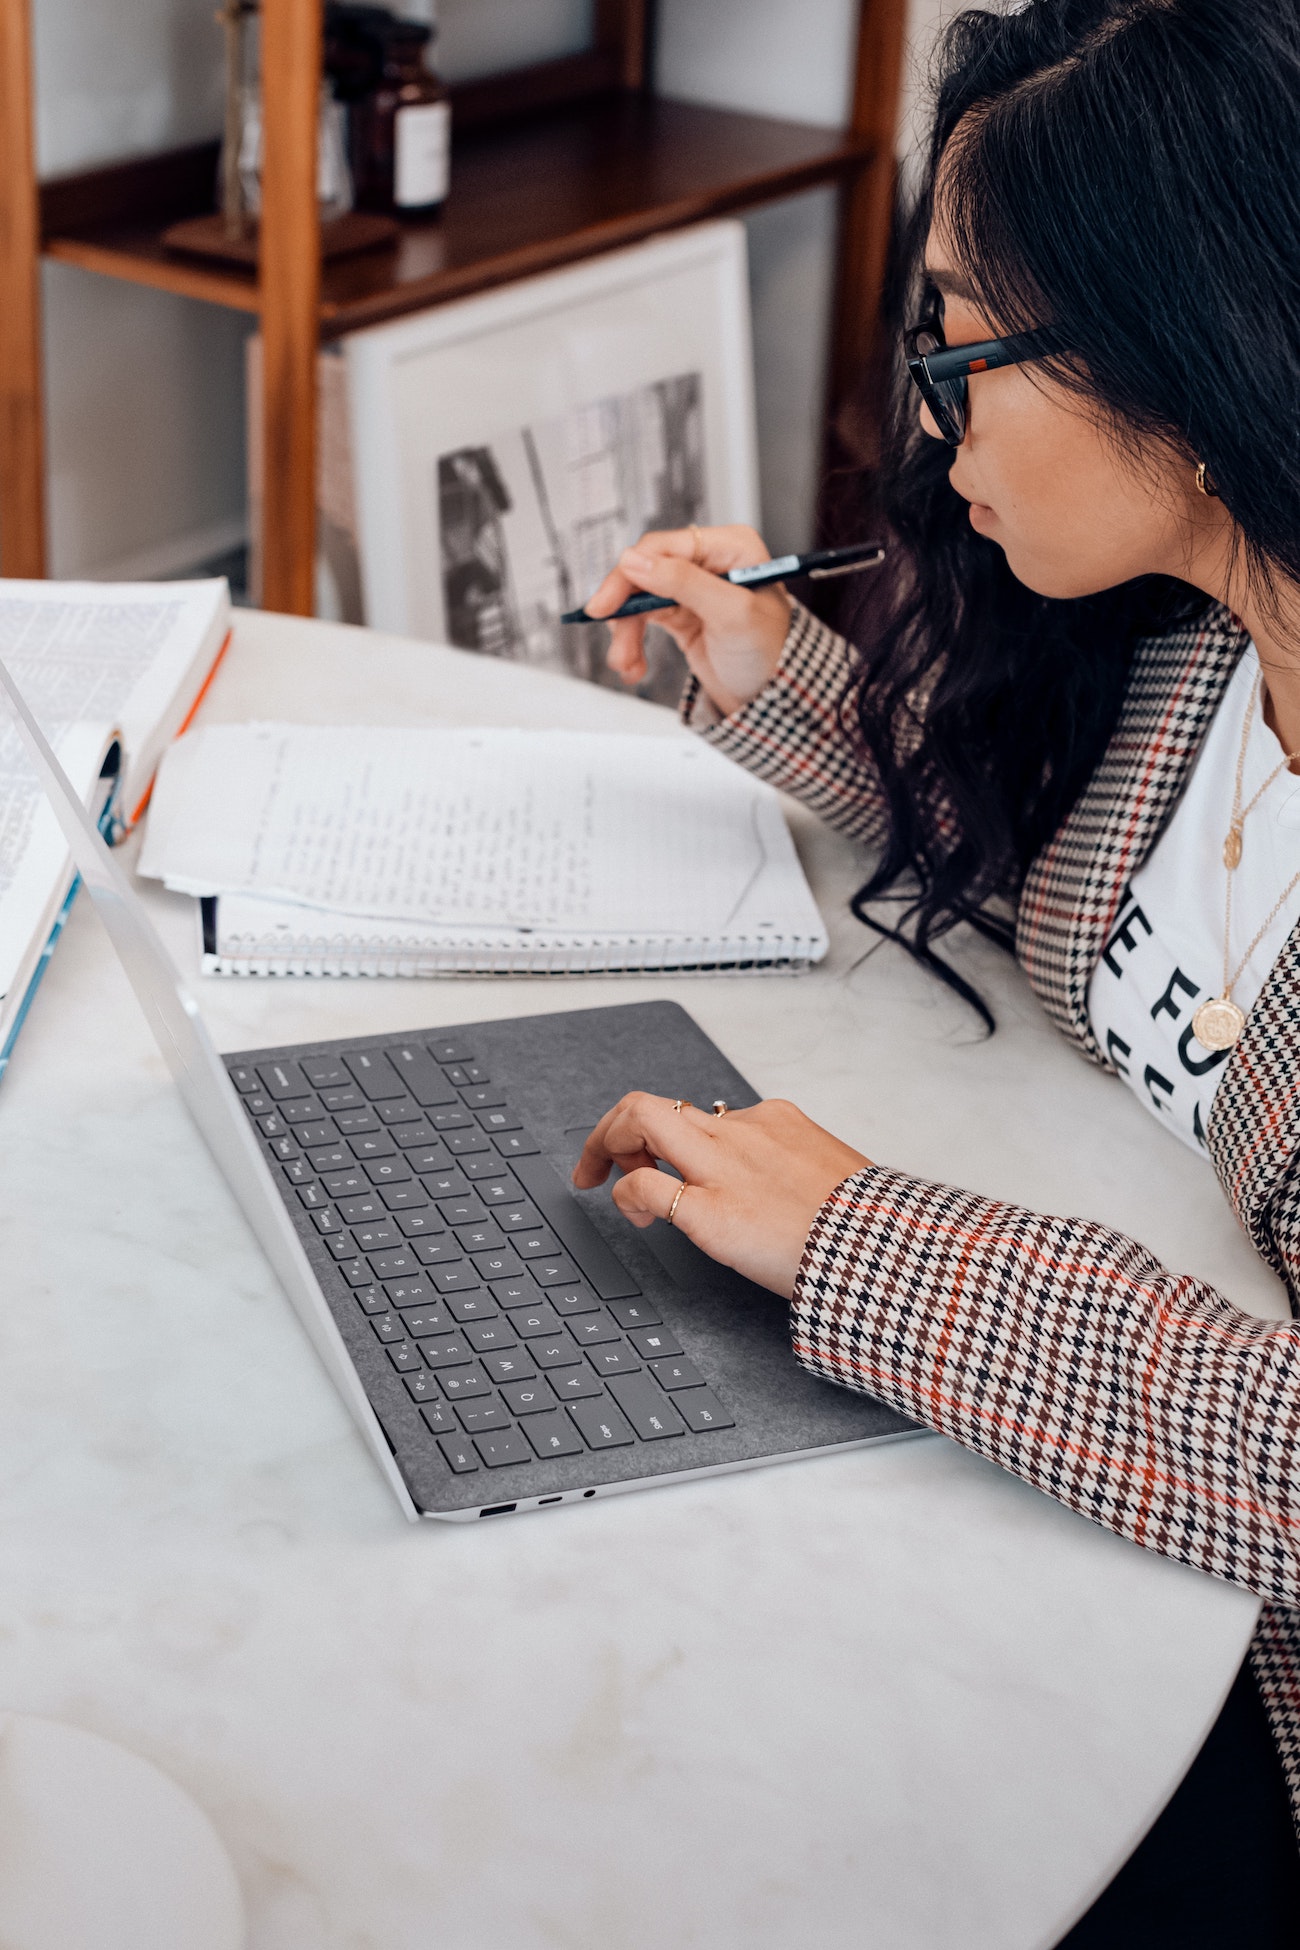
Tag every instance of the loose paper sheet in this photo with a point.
(566, 830)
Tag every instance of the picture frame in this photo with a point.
(505, 448)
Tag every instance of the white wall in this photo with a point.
(145, 391)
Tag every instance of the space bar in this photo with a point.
(565, 1217)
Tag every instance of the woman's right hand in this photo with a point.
(731, 637)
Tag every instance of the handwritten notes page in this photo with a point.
(477, 831)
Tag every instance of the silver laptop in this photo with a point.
(502, 1343)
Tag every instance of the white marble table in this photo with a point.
(887, 1699)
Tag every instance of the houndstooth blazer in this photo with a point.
(1058, 1348)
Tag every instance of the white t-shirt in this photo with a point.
(1165, 951)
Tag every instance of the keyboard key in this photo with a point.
(455, 1119)
(377, 1238)
(516, 1144)
(488, 1166)
(528, 1321)
(355, 1271)
(439, 1417)
(313, 1195)
(441, 1250)
(460, 1143)
(419, 1225)
(477, 1305)
(323, 1070)
(362, 1211)
(518, 1217)
(675, 1374)
(298, 1171)
(282, 1078)
(502, 1265)
(466, 1210)
(243, 1078)
(481, 1238)
(458, 1453)
(553, 1435)
(431, 1161)
(301, 1110)
(509, 1367)
(423, 1322)
(348, 1183)
(613, 1360)
(536, 1242)
(422, 1387)
(286, 1147)
(634, 1313)
(386, 1171)
(496, 1192)
(450, 1049)
(413, 1293)
(480, 1096)
(420, 1074)
(593, 1330)
(453, 1279)
(333, 1159)
(448, 1183)
(401, 1111)
(484, 1336)
(646, 1407)
(322, 1132)
(274, 1126)
(486, 1413)
(652, 1343)
(399, 1265)
(412, 1137)
(372, 1144)
(554, 1350)
(405, 1197)
(259, 1104)
(507, 1446)
(568, 1300)
(702, 1410)
(600, 1425)
(348, 1098)
(374, 1074)
(528, 1397)
(574, 1384)
(517, 1293)
(388, 1327)
(552, 1272)
(341, 1244)
(404, 1355)
(458, 1384)
(351, 1121)
(450, 1353)
(459, 1074)
(371, 1299)
(500, 1119)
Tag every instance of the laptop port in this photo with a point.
(498, 1510)
(543, 1500)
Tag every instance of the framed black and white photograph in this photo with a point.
(506, 448)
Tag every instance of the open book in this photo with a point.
(114, 671)
(425, 852)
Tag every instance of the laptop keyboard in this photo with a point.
(432, 1199)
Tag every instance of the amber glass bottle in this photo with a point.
(401, 128)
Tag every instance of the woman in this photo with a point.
(1074, 720)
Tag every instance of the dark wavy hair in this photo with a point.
(1128, 170)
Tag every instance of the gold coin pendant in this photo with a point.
(1232, 851)
(1218, 1023)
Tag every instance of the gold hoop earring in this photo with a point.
(1204, 483)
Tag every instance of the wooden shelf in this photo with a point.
(526, 196)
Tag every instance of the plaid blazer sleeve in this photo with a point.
(1066, 1353)
(794, 736)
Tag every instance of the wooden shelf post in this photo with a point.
(290, 299)
(22, 441)
(868, 204)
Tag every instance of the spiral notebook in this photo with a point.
(387, 851)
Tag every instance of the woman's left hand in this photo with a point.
(754, 1180)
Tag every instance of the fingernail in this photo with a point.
(635, 560)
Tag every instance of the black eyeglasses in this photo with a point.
(941, 371)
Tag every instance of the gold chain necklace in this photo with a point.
(1218, 1023)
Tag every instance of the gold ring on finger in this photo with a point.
(683, 1103)
(677, 1199)
(720, 1106)
(697, 545)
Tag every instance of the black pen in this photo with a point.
(822, 562)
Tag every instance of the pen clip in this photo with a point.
(847, 568)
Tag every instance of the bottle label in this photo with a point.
(422, 154)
